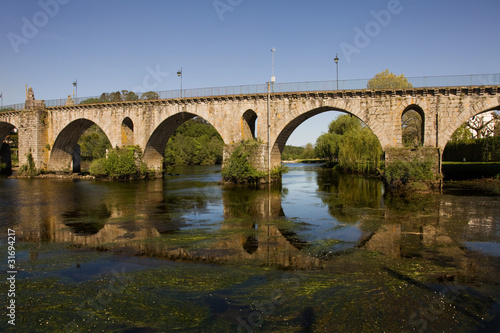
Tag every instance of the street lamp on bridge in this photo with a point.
(273, 78)
(179, 74)
(337, 65)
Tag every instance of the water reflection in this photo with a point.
(231, 223)
(356, 246)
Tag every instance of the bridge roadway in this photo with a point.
(51, 133)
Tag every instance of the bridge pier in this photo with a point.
(33, 138)
(432, 154)
(259, 156)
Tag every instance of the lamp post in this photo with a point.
(75, 84)
(273, 78)
(337, 65)
(179, 73)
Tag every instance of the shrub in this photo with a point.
(401, 173)
(239, 169)
(29, 168)
(121, 163)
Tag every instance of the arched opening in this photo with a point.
(412, 126)
(191, 146)
(9, 155)
(81, 137)
(249, 125)
(476, 140)
(127, 132)
(287, 131)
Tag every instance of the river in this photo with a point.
(322, 252)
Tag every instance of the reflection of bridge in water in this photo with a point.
(247, 232)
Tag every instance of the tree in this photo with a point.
(149, 95)
(388, 80)
(327, 146)
(92, 100)
(195, 142)
(411, 126)
(308, 152)
(343, 124)
(354, 144)
(129, 95)
(462, 134)
(93, 143)
(482, 125)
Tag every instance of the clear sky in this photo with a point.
(111, 45)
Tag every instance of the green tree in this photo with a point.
(104, 97)
(308, 152)
(149, 95)
(388, 80)
(411, 126)
(195, 142)
(343, 124)
(291, 153)
(93, 143)
(129, 95)
(354, 144)
(327, 146)
(92, 100)
(462, 134)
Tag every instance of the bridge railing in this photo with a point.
(416, 82)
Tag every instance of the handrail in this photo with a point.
(359, 84)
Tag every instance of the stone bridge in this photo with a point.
(51, 133)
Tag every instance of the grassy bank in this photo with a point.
(470, 170)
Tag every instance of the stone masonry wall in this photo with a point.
(33, 138)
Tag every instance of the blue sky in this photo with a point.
(110, 45)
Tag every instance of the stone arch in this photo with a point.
(61, 155)
(157, 142)
(459, 120)
(5, 148)
(5, 129)
(284, 134)
(127, 132)
(413, 116)
(249, 125)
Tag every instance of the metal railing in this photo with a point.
(416, 82)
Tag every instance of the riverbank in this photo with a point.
(470, 170)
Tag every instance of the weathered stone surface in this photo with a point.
(149, 124)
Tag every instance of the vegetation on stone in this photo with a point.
(29, 169)
(121, 164)
(409, 175)
(239, 168)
